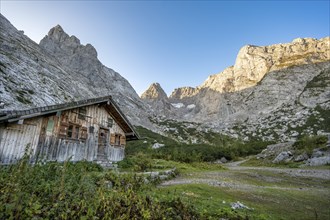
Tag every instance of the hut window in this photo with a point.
(73, 131)
(63, 129)
(76, 133)
(110, 122)
(50, 125)
(83, 134)
(91, 129)
(82, 113)
(70, 131)
(117, 140)
(112, 139)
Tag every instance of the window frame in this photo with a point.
(82, 113)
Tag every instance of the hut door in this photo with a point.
(103, 136)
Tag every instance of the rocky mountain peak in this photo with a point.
(58, 40)
(155, 91)
(57, 33)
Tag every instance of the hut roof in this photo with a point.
(106, 101)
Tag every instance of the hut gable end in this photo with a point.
(93, 130)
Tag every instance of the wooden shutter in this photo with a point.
(122, 140)
(63, 129)
(112, 139)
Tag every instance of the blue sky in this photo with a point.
(175, 43)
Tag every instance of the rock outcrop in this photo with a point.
(183, 93)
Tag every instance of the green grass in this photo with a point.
(271, 195)
(206, 199)
(253, 162)
(214, 202)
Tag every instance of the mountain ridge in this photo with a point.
(278, 81)
(59, 69)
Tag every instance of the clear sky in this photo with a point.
(175, 43)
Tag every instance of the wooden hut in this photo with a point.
(92, 130)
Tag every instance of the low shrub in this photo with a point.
(219, 146)
(80, 191)
(139, 162)
(309, 143)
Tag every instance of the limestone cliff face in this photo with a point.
(253, 63)
(58, 70)
(183, 92)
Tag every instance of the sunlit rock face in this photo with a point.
(59, 69)
(272, 92)
(155, 91)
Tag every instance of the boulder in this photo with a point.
(223, 160)
(317, 153)
(318, 161)
(283, 156)
(239, 205)
(275, 149)
(157, 145)
(301, 157)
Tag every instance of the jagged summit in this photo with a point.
(157, 100)
(155, 91)
(58, 40)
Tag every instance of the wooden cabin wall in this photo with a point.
(54, 146)
(15, 138)
(49, 140)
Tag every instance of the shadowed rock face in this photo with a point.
(58, 70)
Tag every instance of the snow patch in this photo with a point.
(157, 145)
(191, 106)
(177, 105)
